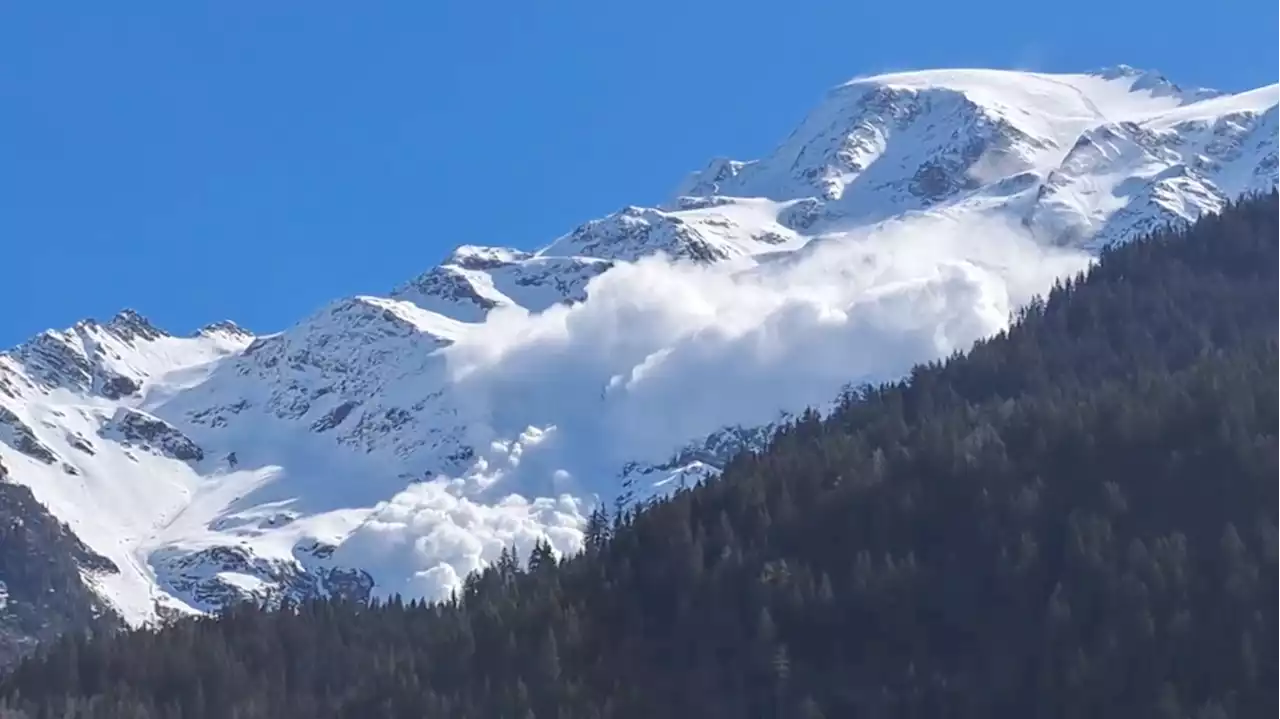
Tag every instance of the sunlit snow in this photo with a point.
(492, 401)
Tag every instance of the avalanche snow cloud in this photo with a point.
(663, 351)
(394, 444)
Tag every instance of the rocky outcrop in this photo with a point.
(385, 404)
(150, 434)
(635, 232)
(85, 357)
(451, 287)
(334, 417)
(219, 576)
(692, 463)
(15, 433)
(43, 565)
(57, 359)
(129, 325)
(225, 328)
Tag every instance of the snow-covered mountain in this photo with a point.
(393, 444)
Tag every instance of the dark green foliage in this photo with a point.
(1075, 519)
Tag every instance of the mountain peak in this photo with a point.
(479, 257)
(458, 408)
(226, 328)
(128, 324)
(1117, 71)
(1154, 83)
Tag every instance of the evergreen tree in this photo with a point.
(1076, 518)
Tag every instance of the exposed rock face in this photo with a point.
(117, 386)
(474, 281)
(56, 360)
(222, 467)
(694, 462)
(635, 232)
(219, 576)
(129, 325)
(1178, 166)
(89, 357)
(18, 435)
(151, 434)
(42, 590)
(334, 417)
(452, 285)
(226, 328)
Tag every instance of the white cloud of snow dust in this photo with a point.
(442, 537)
(663, 353)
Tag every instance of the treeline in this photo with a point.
(1077, 518)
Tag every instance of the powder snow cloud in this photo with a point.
(662, 353)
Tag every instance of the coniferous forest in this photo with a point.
(1076, 518)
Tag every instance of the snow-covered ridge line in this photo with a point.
(393, 444)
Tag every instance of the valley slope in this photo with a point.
(395, 443)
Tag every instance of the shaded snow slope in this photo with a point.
(393, 444)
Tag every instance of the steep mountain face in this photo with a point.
(393, 444)
(42, 593)
(1076, 157)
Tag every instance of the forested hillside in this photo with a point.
(1077, 518)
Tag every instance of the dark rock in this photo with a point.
(80, 443)
(129, 325)
(217, 416)
(471, 257)
(117, 386)
(196, 577)
(334, 417)
(53, 360)
(134, 426)
(450, 284)
(42, 588)
(349, 584)
(18, 435)
(76, 360)
(225, 327)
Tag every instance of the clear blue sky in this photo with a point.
(202, 160)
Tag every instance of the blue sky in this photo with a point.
(208, 160)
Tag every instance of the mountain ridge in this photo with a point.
(393, 444)
(1074, 516)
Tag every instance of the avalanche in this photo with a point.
(393, 444)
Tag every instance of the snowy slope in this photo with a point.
(66, 400)
(393, 444)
